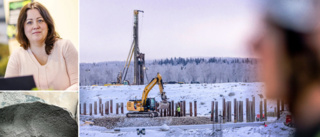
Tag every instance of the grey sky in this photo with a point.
(168, 28)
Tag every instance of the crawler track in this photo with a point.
(142, 114)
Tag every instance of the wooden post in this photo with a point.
(100, 102)
(278, 109)
(275, 112)
(216, 115)
(241, 111)
(224, 110)
(238, 111)
(265, 110)
(212, 109)
(101, 109)
(260, 110)
(190, 103)
(184, 108)
(95, 107)
(107, 108)
(184, 112)
(235, 110)
(195, 108)
(247, 110)
(111, 104)
(169, 110)
(85, 109)
(227, 111)
(117, 108)
(90, 109)
(122, 108)
(171, 113)
(253, 109)
(172, 108)
(181, 108)
(230, 112)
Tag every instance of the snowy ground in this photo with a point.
(271, 130)
(202, 93)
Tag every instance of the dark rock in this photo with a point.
(36, 119)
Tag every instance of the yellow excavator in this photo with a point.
(146, 107)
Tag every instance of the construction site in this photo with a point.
(129, 107)
(105, 108)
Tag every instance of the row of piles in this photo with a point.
(238, 110)
(108, 109)
(172, 109)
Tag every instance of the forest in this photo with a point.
(187, 70)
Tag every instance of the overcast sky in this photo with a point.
(168, 28)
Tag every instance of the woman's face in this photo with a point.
(35, 28)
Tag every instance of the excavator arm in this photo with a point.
(147, 89)
(146, 106)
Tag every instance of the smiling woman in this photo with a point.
(52, 61)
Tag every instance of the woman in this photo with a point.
(52, 61)
(289, 49)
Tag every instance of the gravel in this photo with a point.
(36, 120)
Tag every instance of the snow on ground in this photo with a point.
(202, 93)
(272, 130)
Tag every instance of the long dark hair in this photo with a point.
(52, 34)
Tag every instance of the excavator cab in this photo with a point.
(151, 104)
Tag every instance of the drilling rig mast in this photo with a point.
(139, 62)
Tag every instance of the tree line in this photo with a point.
(210, 70)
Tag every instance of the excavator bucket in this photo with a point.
(163, 105)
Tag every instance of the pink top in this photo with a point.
(59, 73)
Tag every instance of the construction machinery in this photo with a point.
(139, 61)
(146, 107)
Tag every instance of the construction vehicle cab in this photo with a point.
(151, 104)
(146, 107)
